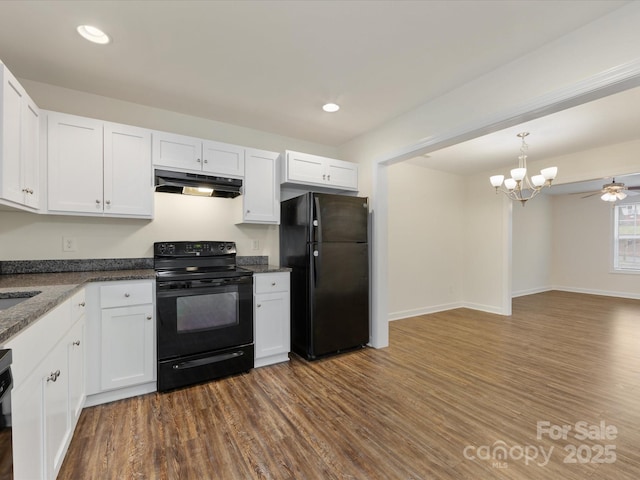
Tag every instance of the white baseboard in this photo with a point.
(415, 312)
(483, 308)
(119, 394)
(605, 293)
(530, 291)
(399, 315)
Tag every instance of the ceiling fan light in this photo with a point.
(496, 180)
(518, 173)
(510, 183)
(621, 195)
(607, 197)
(538, 180)
(549, 173)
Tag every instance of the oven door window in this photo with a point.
(193, 313)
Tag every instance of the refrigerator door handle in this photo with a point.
(317, 221)
(316, 267)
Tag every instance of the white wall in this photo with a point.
(531, 246)
(26, 236)
(487, 251)
(582, 249)
(425, 240)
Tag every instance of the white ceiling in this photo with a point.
(270, 65)
(607, 121)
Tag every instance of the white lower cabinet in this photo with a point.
(77, 385)
(56, 404)
(121, 358)
(271, 316)
(48, 371)
(127, 346)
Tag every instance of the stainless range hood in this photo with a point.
(197, 184)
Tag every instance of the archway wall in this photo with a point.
(589, 62)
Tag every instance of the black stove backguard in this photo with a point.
(204, 311)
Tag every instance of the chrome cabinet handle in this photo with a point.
(273, 284)
(108, 202)
(198, 160)
(127, 295)
(77, 343)
(53, 376)
(258, 305)
(324, 177)
(149, 317)
(328, 177)
(30, 192)
(81, 304)
(206, 161)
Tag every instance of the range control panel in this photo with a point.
(195, 249)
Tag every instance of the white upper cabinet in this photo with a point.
(98, 168)
(179, 152)
(74, 164)
(19, 140)
(261, 198)
(176, 151)
(306, 169)
(128, 182)
(223, 159)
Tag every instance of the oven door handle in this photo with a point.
(164, 286)
(206, 361)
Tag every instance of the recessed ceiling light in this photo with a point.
(331, 107)
(93, 34)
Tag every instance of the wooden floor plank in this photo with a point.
(448, 381)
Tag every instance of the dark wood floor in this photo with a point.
(450, 383)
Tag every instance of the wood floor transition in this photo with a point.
(457, 395)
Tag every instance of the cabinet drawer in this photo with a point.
(271, 282)
(125, 294)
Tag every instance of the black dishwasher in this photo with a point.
(6, 450)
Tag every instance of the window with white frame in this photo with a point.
(626, 242)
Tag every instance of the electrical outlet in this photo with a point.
(69, 244)
(255, 244)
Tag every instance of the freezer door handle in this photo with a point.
(317, 222)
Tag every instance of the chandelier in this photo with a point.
(519, 187)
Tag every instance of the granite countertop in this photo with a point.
(265, 268)
(54, 289)
(57, 280)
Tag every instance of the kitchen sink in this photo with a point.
(8, 300)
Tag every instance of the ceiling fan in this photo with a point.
(614, 191)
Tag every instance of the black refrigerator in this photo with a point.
(324, 240)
